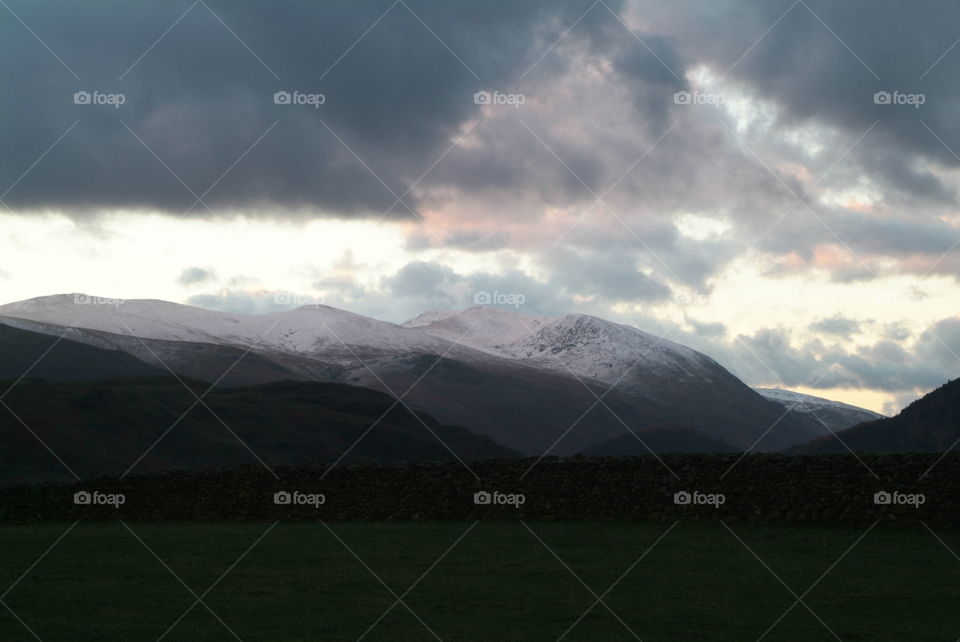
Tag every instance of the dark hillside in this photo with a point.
(929, 424)
(104, 426)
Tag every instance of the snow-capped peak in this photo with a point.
(585, 345)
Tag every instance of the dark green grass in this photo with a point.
(498, 583)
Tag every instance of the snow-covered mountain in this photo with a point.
(532, 383)
(679, 382)
(835, 414)
(587, 346)
(512, 402)
(611, 353)
(309, 330)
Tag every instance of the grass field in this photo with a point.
(489, 581)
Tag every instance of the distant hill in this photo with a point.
(835, 415)
(103, 426)
(22, 350)
(672, 438)
(929, 424)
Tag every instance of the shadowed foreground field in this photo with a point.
(484, 581)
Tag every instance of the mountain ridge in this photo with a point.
(532, 383)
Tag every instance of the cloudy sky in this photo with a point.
(773, 183)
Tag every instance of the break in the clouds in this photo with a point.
(778, 179)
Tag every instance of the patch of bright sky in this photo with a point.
(701, 228)
(870, 399)
(860, 198)
(747, 111)
(141, 255)
(809, 138)
(747, 300)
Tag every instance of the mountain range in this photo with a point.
(533, 384)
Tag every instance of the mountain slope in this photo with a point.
(678, 384)
(104, 426)
(835, 414)
(42, 356)
(929, 424)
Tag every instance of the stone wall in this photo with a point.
(827, 490)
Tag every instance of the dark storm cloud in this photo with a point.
(597, 104)
(823, 61)
(200, 99)
(397, 99)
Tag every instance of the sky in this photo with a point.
(773, 183)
